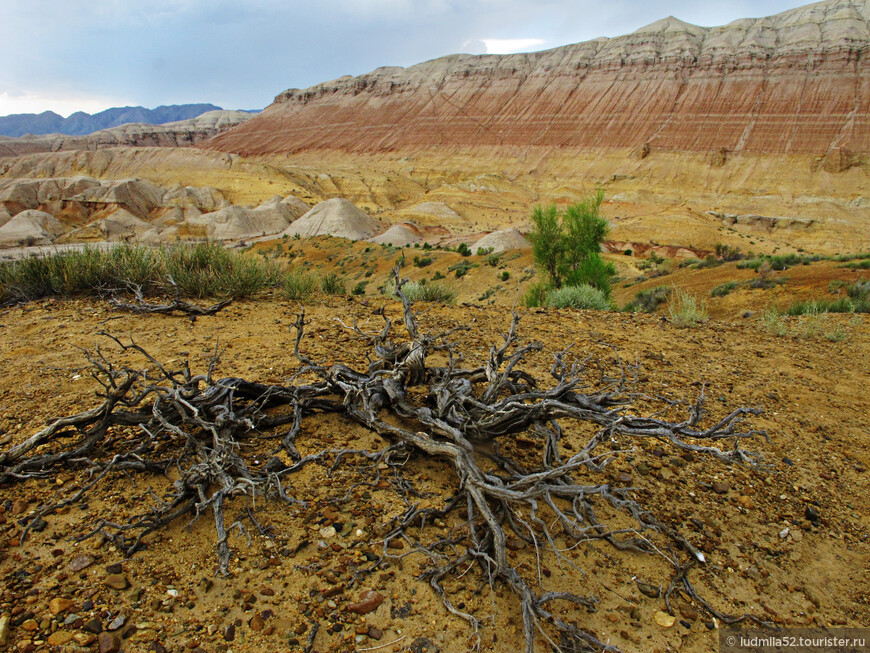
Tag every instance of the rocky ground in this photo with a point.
(790, 544)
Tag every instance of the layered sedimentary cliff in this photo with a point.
(797, 82)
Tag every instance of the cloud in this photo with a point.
(31, 102)
(509, 46)
(241, 54)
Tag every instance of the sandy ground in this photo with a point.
(765, 558)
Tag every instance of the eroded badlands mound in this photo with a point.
(791, 83)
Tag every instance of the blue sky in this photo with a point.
(66, 55)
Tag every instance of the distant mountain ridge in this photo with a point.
(81, 123)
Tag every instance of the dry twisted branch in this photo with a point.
(460, 417)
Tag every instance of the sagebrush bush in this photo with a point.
(298, 285)
(333, 284)
(202, 270)
(648, 300)
(584, 296)
(536, 295)
(686, 311)
(419, 291)
(724, 289)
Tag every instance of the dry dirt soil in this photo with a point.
(765, 557)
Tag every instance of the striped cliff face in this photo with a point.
(794, 83)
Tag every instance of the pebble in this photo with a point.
(811, 513)
(229, 633)
(94, 626)
(689, 613)
(117, 581)
(376, 633)
(369, 602)
(4, 629)
(646, 589)
(664, 620)
(745, 502)
(327, 532)
(256, 623)
(117, 622)
(80, 562)
(108, 643)
(59, 604)
(59, 638)
(720, 488)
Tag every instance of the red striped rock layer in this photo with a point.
(798, 82)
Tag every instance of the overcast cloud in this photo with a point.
(66, 55)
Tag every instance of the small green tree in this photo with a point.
(567, 244)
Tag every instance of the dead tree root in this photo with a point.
(451, 413)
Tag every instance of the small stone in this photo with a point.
(648, 590)
(117, 581)
(745, 502)
(84, 639)
(423, 645)
(301, 629)
(94, 626)
(369, 602)
(256, 623)
(117, 622)
(229, 633)
(811, 513)
(327, 532)
(59, 638)
(4, 629)
(108, 643)
(19, 506)
(30, 625)
(664, 620)
(59, 604)
(39, 524)
(720, 488)
(335, 590)
(376, 633)
(267, 591)
(80, 562)
(114, 568)
(688, 612)
(624, 478)
(636, 614)
(395, 544)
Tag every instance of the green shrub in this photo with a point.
(648, 300)
(493, 260)
(536, 295)
(686, 311)
(584, 296)
(419, 291)
(566, 244)
(333, 284)
(773, 322)
(483, 251)
(298, 286)
(438, 275)
(460, 269)
(202, 270)
(422, 261)
(464, 249)
(724, 289)
(505, 275)
(592, 271)
(359, 289)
